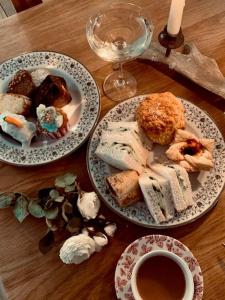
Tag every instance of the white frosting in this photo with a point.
(42, 110)
(88, 205)
(39, 75)
(76, 249)
(24, 134)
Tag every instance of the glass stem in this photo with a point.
(121, 80)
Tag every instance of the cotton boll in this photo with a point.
(88, 205)
(110, 229)
(76, 249)
(100, 241)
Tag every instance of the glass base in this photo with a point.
(119, 88)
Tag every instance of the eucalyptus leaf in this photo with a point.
(20, 209)
(44, 193)
(74, 225)
(59, 182)
(35, 209)
(70, 188)
(52, 213)
(54, 194)
(47, 242)
(52, 224)
(59, 199)
(69, 179)
(6, 199)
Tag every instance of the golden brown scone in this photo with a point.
(159, 115)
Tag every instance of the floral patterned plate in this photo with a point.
(206, 186)
(147, 244)
(83, 111)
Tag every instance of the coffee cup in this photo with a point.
(158, 270)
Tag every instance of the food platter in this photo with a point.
(206, 185)
(147, 244)
(83, 111)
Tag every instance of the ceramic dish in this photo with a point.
(206, 186)
(147, 244)
(82, 111)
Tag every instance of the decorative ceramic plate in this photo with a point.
(82, 111)
(206, 186)
(147, 244)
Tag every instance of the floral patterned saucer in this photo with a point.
(147, 244)
(206, 186)
(83, 111)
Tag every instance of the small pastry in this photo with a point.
(190, 152)
(159, 115)
(18, 127)
(21, 84)
(15, 104)
(52, 92)
(51, 121)
(124, 187)
(39, 75)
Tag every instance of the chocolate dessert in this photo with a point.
(21, 84)
(52, 92)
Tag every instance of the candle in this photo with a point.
(175, 16)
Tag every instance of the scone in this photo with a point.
(51, 121)
(159, 115)
(15, 104)
(21, 84)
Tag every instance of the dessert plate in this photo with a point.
(147, 244)
(206, 186)
(83, 111)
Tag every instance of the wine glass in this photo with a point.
(118, 34)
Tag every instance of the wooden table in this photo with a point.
(60, 26)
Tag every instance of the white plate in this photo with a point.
(206, 186)
(147, 244)
(83, 111)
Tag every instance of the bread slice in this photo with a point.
(15, 104)
(157, 194)
(124, 187)
(177, 192)
(184, 183)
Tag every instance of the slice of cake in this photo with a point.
(15, 104)
(21, 84)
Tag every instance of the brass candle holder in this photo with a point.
(170, 41)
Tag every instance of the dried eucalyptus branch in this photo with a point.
(65, 207)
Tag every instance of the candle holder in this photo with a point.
(170, 41)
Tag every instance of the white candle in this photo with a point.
(175, 16)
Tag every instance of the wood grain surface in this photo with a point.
(60, 26)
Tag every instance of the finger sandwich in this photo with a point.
(157, 195)
(122, 150)
(179, 184)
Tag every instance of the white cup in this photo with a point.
(189, 284)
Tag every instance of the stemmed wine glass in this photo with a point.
(118, 34)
